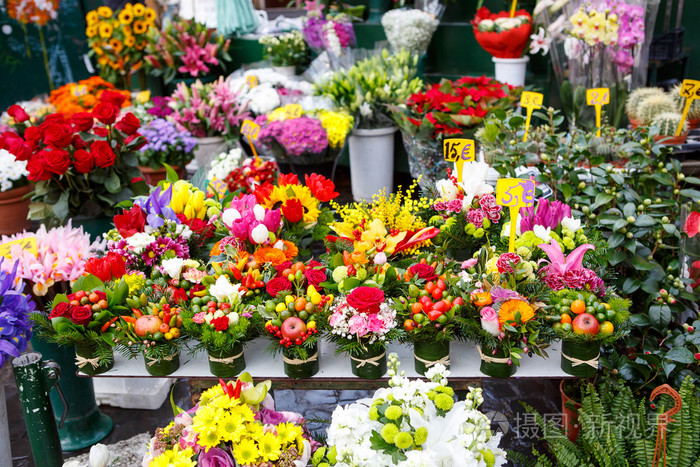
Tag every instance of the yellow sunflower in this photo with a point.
(91, 31)
(510, 308)
(92, 18)
(277, 197)
(104, 11)
(139, 10)
(141, 45)
(140, 26)
(308, 201)
(127, 30)
(98, 50)
(129, 41)
(150, 14)
(102, 61)
(106, 30)
(116, 45)
(126, 17)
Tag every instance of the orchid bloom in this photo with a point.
(375, 237)
(558, 263)
(474, 182)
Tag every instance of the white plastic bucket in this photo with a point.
(371, 162)
(208, 149)
(511, 70)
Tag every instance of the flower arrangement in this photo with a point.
(233, 424)
(166, 144)
(333, 33)
(78, 165)
(15, 310)
(262, 90)
(242, 174)
(118, 39)
(409, 29)
(249, 224)
(412, 422)
(287, 49)
(185, 47)
(379, 80)
(34, 110)
(207, 109)
(13, 173)
(501, 34)
(83, 96)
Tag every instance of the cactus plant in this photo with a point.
(667, 122)
(693, 112)
(636, 97)
(654, 105)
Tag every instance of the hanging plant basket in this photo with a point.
(496, 365)
(87, 361)
(227, 364)
(428, 354)
(580, 358)
(162, 366)
(300, 369)
(370, 364)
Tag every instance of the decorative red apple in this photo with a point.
(293, 328)
(146, 324)
(585, 323)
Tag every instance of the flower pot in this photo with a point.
(227, 364)
(299, 369)
(153, 176)
(371, 162)
(290, 70)
(162, 366)
(495, 365)
(680, 139)
(425, 160)
(370, 364)
(94, 226)
(634, 123)
(580, 358)
(693, 123)
(569, 414)
(87, 361)
(511, 70)
(208, 149)
(14, 209)
(428, 354)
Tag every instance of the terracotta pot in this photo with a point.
(693, 123)
(634, 123)
(569, 417)
(153, 176)
(14, 209)
(680, 139)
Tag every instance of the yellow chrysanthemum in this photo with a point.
(246, 452)
(127, 30)
(106, 30)
(209, 438)
(139, 10)
(175, 458)
(231, 427)
(141, 45)
(287, 433)
(126, 16)
(92, 18)
(104, 11)
(337, 125)
(510, 308)
(269, 447)
(91, 31)
(140, 26)
(204, 419)
(134, 281)
(210, 393)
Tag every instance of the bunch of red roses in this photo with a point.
(82, 164)
(451, 108)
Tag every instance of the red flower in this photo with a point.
(104, 156)
(178, 294)
(130, 222)
(113, 97)
(53, 118)
(101, 131)
(82, 121)
(315, 276)
(81, 315)
(105, 112)
(83, 161)
(366, 299)
(221, 323)
(292, 210)
(128, 124)
(61, 309)
(131, 138)
(281, 267)
(262, 192)
(15, 145)
(33, 136)
(58, 135)
(37, 169)
(287, 179)
(56, 161)
(78, 142)
(277, 285)
(321, 187)
(18, 114)
(423, 271)
(110, 266)
(692, 224)
(506, 262)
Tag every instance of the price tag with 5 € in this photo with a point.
(250, 129)
(292, 110)
(690, 89)
(515, 192)
(27, 244)
(218, 187)
(530, 101)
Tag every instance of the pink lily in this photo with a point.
(558, 263)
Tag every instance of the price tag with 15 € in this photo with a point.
(459, 151)
(28, 244)
(530, 101)
(690, 89)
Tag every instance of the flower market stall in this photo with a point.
(253, 228)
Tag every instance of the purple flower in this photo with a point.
(547, 214)
(15, 307)
(157, 206)
(499, 294)
(297, 136)
(216, 457)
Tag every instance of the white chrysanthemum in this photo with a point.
(409, 29)
(11, 170)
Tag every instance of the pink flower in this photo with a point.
(470, 263)
(476, 217)
(375, 324)
(489, 320)
(198, 317)
(336, 318)
(506, 262)
(358, 325)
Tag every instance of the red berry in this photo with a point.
(297, 341)
(697, 356)
(690, 329)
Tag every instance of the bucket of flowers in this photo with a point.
(16, 308)
(166, 144)
(412, 422)
(361, 324)
(428, 311)
(507, 310)
(239, 173)
(286, 52)
(234, 423)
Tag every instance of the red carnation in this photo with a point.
(82, 121)
(130, 222)
(83, 161)
(292, 210)
(321, 187)
(102, 151)
(221, 323)
(105, 112)
(287, 179)
(18, 113)
(56, 161)
(128, 124)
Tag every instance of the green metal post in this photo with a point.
(35, 378)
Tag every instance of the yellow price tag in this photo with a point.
(530, 101)
(690, 89)
(459, 151)
(27, 244)
(250, 129)
(598, 97)
(217, 187)
(292, 110)
(515, 193)
(252, 81)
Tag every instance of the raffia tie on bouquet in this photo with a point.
(430, 363)
(370, 361)
(226, 360)
(152, 361)
(593, 362)
(489, 359)
(82, 362)
(296, 361)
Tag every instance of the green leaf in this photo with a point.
(88, 283)
(629, 209)
(630, 285)
(642, 264)
(59, 298)
(112, 183)
(660, 316)
(691, 193)
(680, 355)
(644, 220)
(199, 179)
(61, 324)
(639, 319)
(176, 410)
(670, 229)
(616, 240)
(119, 293)
(60, 209)
(171, 175)
(601, 199)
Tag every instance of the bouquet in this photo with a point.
(15, 310)
(233, 424)
(166, 144)
(333, 33)
(501, 34)
(83, 96)
(80, 166)
(250, 226)
(241, 174)
(118, 39)
(262, 90)
(412, 423)
(365, 89)
(34, 109)
(186, 48)
(207, 109)
(409, 29)
(13, 173)
(287, 49)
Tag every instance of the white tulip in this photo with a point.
(259, 234)
(99, 455)
(230, 215)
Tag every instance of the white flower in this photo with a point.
(556, 29)
(541, 5)
(572, 48)
(366, 110)
(73, 464)
(233, 319)
(542, 233)
(474, 181)
(225, 163)
(99, 455)
(263, 99)
(224, 289)
(259, 212)
(230, 215)
(409, 29)
(259, 234)
(540, 42)
(139, 241)
(173, 267)
(447, 189)
(11, 170)
(571, 224)
(380, 258)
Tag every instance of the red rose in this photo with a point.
(131, 138)
(322, 188)
(221, 323)
(105, 112)
(288, 179)
(82, 121)
(18, 114)
(423, 271)
(292, 210)
(15, 145)
(58, 135)
(277, 285)
(101, 131)
(61, 309)
(281, 267)
(37, 169)
(51, 119)
(83, 161)
(78, 142)
(33, 136)
(102, 151)
(113, 97)
(81, 314)
(315, 276)
(130, 222)
(128, 124)
(366, 299)
(56, 161)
